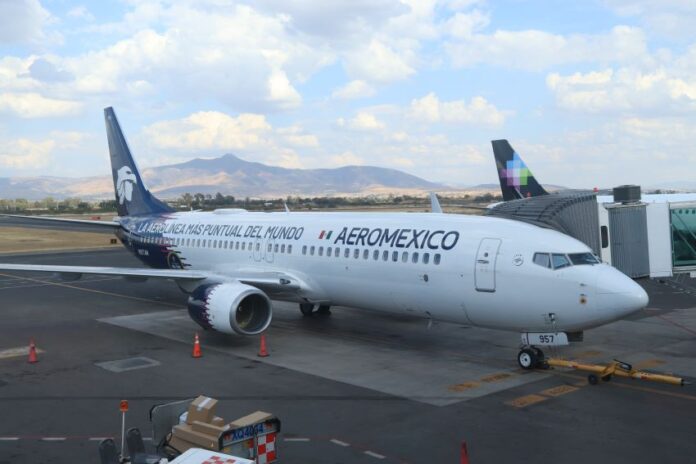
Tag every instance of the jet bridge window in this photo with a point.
(583, 258)
(542, 259)
(559, 261)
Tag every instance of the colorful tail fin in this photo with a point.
(516, 180)
(132, 197)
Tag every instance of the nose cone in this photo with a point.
(619, 294)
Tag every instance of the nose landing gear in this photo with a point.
(531, 357)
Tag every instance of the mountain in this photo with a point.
(229, 175)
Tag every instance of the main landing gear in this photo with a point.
(530, 357)
(307, 309)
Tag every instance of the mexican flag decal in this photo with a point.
(324, 235)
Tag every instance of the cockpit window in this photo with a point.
(583, 258)
(542, 259)
(559, 261)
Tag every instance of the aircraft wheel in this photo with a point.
(527, 358)
(306, 309)
(324, 310)
(592, 379)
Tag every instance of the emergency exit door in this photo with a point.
(484, 275)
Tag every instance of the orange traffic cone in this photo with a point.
(196, 348)
(32, 352)
(263, 352)
(464, 459)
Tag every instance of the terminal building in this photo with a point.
(641, 235)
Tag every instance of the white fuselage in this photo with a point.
(479, 270)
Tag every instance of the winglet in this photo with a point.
(434, 203)
(516, 180)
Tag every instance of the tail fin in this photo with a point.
(516, 180)
(132, 197)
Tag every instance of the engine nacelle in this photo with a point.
(232, 308)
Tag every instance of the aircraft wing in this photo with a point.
(59, 223)
(275, 284)
(128, 272)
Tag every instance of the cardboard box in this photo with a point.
(208, 429)
(218, 421)
(186, 433)
(180, 445)
(202, 409)
(253, 418)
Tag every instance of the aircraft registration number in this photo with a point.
(547, 339)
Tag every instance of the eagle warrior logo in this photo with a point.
(125, 180)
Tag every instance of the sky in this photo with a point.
(592, 93)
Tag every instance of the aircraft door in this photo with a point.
(484, 275)
(270, 252)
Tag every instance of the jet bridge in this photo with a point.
(652, 238)
(573, 214)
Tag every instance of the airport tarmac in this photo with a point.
(352, 387)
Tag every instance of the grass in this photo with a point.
(23, 240)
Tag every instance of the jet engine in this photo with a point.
(232, 308)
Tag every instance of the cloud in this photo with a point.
(354, 89)
(378, 62)
(33, 105)
(624, 90)
(22, 21)
(81, 12)
(23, 153)
(478, 111)
(536, 50)
(206, 130)
(363, 121)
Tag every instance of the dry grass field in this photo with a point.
(23, 240)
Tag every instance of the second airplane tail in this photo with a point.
(516, 180)
(132, 197)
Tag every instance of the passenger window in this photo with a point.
(282, 248)
(375, 255)
(275, 248)
(270, 247)
(198, 242)
(304, 249)
(436, 258)
(414, 257)
(395, 256)
(559, 261)
(404, 257)
(347, 253)
(337, 252)
(311, 250)
(426, 258)
(289, 249)
(236, 246)
(385, 255)
(328, 252)
(321, 251)
(243, 246)
(366, 253)
(356, 253)
(542, 259)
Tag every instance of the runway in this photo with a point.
(350, 387)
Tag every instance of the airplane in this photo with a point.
(517, 180)
(475, 270)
